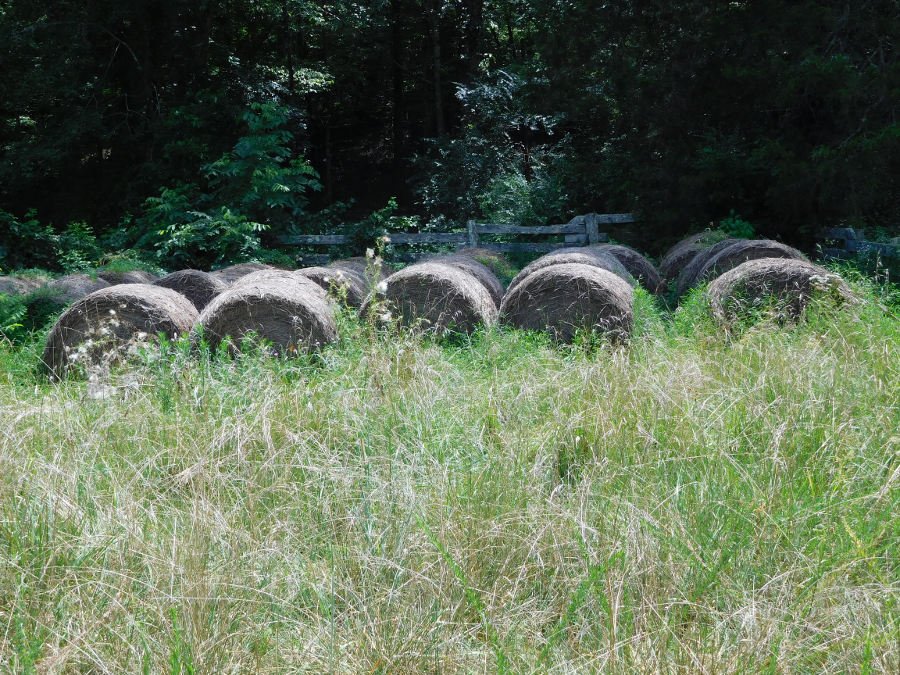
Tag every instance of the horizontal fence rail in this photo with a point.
(580, 231)
(854, 244)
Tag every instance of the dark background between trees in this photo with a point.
(526, 111)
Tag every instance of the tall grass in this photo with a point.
(693, 502)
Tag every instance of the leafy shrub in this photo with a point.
(735, 226)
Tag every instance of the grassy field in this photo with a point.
(694, 502)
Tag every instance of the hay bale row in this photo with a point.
(114, 316)
(641, 269)
(583, 256)
(434, 296)
(129, 277)
(729, 254)
(569, 297)
(346, 283)
(18, 285)
(365, 267)
(788, 282)
(682, 253)
(287, 310)
(198, 287)
(229, 275)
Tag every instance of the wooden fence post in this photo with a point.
(592, 226)
(473, 235)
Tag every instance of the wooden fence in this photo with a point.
(854, 243)
(580, 231)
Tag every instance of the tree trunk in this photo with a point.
(397, 72)
(473, 35)
(434, 22)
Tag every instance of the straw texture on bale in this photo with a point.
(68, 289)
(437, 298)
(231, 274)
(365, 267)
(130, 277)
(741, 251)
(790, 282)
(641, 269)
(338, 281)
(120, 313)
(480, 271)
(18, 286)
(271, 275)
(198, 287)
(564, 298)
(691, 272)
(682, 253)
(582, 256)
(290, 312)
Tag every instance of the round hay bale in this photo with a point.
(68, 289)
(437, 298)
(198, 287)
(365, 267)
(691, 272)
(129, 277)
(637, 265)
(681, 254)
(338, 282)
(741, 251)
(290, 312)
(18, 285)
(114, 316)
(792, 283)
(481, 272)
(231, 274)
(581, 256)
(564, 298)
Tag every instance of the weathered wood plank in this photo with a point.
(473, 234)
(523, 248)
(313, 239)
(871, 247)
(576, 239)
(568, 228)
(611, 218)
(428, 238)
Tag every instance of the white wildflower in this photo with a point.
(370, 253)
(386, 317)
(381, 286)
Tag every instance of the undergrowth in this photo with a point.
(692, 501)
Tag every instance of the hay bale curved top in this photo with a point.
(231, 274)
(568, 297)
(437, 298)
(481, 272)
(584, 256)
(337, 281)
(68, 289)
(689, 275)
(290, 312)
(18, 285)
(741, 251)
(198, 287)
(117, 314)
(365, 267)
(637, 265)
(791, 282)
(681, 254)
(129, 277)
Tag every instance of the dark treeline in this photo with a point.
(519, 110)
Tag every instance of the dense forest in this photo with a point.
(197, 131)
